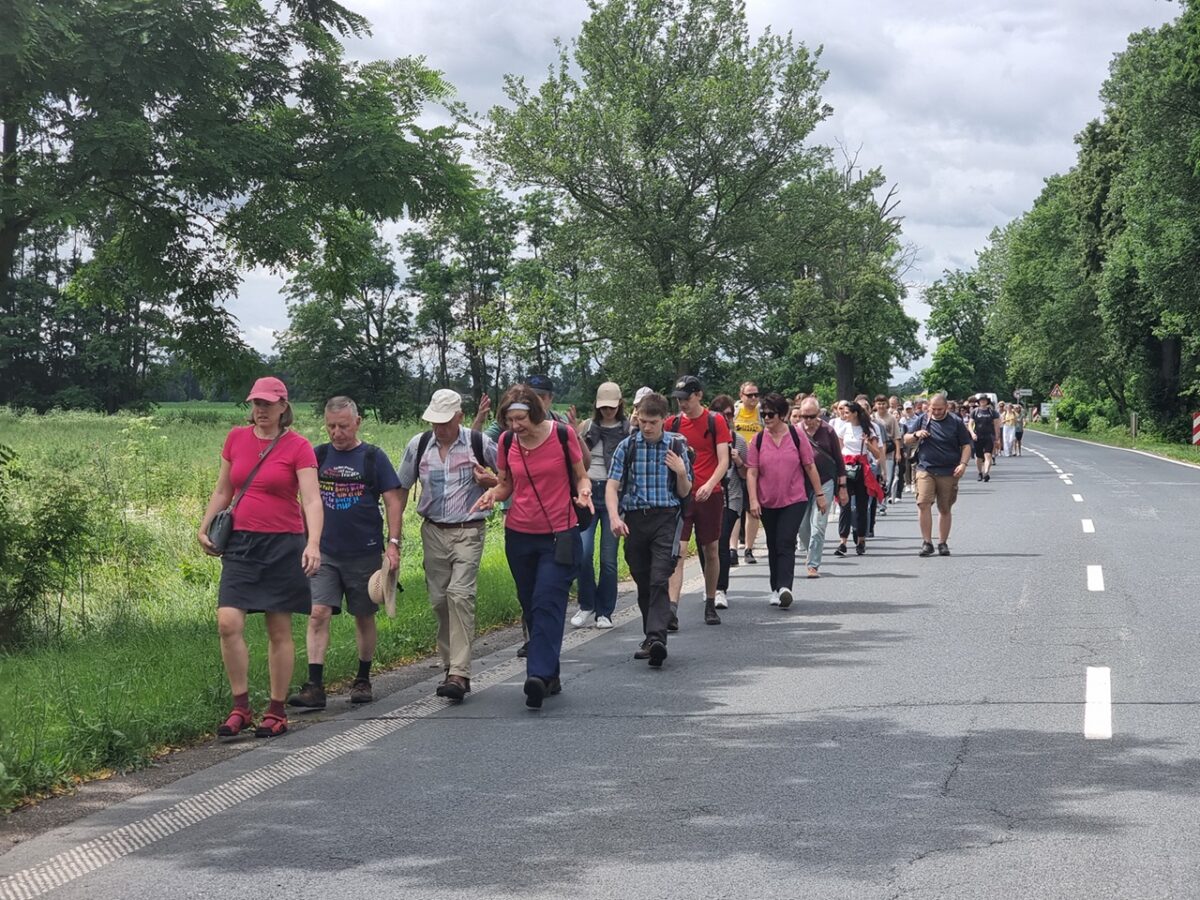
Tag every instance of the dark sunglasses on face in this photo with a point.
(768, 414)
(750, 394)
(809, 416)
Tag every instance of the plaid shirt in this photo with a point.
(649, 477)
(448, 488)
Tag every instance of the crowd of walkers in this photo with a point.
(301, 529)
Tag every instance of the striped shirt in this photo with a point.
(448, 487)
(649, 478)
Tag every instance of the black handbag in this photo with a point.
(220, 528)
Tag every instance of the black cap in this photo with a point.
(541, 383)
(685, 387)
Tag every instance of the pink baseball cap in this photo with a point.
(269, 389)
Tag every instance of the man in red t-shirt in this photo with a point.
(708, 437)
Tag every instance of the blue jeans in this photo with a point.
(542, 586)
(812, 526)
(599, 598)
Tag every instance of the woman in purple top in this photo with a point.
(780, 457)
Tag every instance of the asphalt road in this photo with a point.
(909, 728)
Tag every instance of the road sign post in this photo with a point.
(1196, 429)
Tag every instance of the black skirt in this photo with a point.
(263, 573)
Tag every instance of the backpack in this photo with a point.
(582, 516)
(678, 447)
(369, 480)
(476, 447)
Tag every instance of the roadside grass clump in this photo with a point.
(116, 657)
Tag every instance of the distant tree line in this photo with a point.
(654, 206)
(1097, 287)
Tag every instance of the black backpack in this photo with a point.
(369, 480)
(476, 447)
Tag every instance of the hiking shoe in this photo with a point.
(785, 598)
(360, 691)
(673, 624)
(943, 549)
(554, 687)
(643, 650)
(658, 652)
(710, 613)
(721, 601)
(310, 696)
(750, 556)
(581, 618)
(523, 650)
(926, 549)
(535, 691)
(603, 622)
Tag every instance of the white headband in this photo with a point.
(524, 406)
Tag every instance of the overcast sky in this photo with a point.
(966, 105)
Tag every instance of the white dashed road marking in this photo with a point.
(1097, 707)
(1068, 481)
(1095, 578)
(1078, 498)
(1089, 527)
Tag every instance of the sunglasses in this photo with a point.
(767, 414)
(750, 394)
(809, 416)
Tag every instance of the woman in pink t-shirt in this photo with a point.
(779, 459)
(268, 561)
(541, 465)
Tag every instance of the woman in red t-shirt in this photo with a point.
(541, 531)
(268, 561)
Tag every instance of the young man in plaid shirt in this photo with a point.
(648, 480)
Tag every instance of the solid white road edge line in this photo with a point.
(1095, 578)
(1089, 527)
(1097, 706)
(1178, 462)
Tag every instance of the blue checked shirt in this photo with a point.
(649, 477)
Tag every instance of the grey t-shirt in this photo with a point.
(736, 493)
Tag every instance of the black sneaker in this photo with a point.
(310, 696)
(673, 624)
(860, 549)
(710, 613)
(943, 549)
(841, 549)
(523, 650)
(535, 691)
(980, 478)
(658, 652)
(734, 562)
(750, 557)
(926, 549)
(987, 477)
(643, 650)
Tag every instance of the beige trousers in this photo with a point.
(452, 558)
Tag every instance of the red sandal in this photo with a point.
(238, 719)
(272, 725)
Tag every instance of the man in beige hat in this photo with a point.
(454, 465)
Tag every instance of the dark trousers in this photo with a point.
(723, 552)
(781, 526)
(857, 489)
(542, 587)
(650, 551)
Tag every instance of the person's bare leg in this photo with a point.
(281, 653)
(675, 585)
(231, 627)
(944, 526)
(712, 566)
(925, 521)
(366, 635)
(316, 641)
(751, 531)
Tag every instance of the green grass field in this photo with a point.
(128, 661)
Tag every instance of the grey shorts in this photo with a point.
(345, 576)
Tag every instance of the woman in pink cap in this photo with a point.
(269, 559)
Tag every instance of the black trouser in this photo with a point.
(724, 554)
(650, 552)
(781, 526)
(857, 490)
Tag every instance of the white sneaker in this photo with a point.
(785, 598)
(581, 618)
(603, 622)
(774, 601)
(721, 601)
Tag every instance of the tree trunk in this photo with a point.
(845, 375)
(11, 225)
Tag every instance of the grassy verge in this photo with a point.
(1119, 437)
(130, 664)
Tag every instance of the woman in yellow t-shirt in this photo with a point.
(747, 422)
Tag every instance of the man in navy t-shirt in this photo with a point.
(943, 451)
(353, 477)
